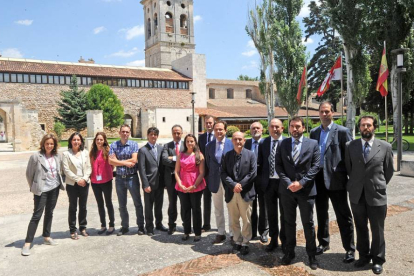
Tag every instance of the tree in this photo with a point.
(247, 78)
(101, 97)
(72, 107)
(59, 128)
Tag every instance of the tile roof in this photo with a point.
(84, 69)
(232, 82)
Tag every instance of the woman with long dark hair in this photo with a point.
(189, 173)
(43, 174)
(77, 168)
(101, 179)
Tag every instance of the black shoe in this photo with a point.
(206, 228)
(272, 246)
(321, 248)
(313, 263)
(161, 228)
(171, 230)
(141, 231)
(377, 269)
(109, 232)
(122, 231)
(103, 230)
(219, 239)
(244, 250)
(363, 261)
(237, 247)
(254, 236)
(197, 238)
(185, 237)
(287, 258)
(231, 240)
(263, 238)
(349, 257)
(150, 234)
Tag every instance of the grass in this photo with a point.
(64, 143)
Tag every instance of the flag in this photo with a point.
(302, 84)
(382, 83)
(334, 74)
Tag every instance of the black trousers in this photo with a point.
(172, 203)
(46, 201)
(206, 207)
(153, 201)
(376, 217)
(343, 214)
(273, 203)
(191, 205)
(102, 191)
(290, 201)
(259, 219)
(75, 193)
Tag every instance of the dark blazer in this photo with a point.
(214, 169)
(150, 169)
(169, 164)
(248, 145)
(371, 177)
(202, 142)
(247, 173)
(334, 169)
(304, 171)
(263, 161)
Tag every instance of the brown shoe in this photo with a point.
(219, 239)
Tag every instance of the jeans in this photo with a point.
(101, 191)
(45, 200)
(76, 192)
(130, 183)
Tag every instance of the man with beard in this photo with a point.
(369, 164)
(262, 225)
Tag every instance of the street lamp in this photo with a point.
(400, 69)
(193, 118)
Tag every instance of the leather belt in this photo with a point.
(126, 176)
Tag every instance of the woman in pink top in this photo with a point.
(189, 173)
(101, 179)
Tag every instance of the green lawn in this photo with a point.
(64, 143)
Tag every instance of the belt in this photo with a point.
(126, 176)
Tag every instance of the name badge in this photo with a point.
(99, 177)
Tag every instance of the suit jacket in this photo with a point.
(247, 173)
(248, 145)
(334, 169)
(150, 168)
(263, 161)
(70, 169)
(169, 164)
(202, 142)
(214, 168)
(371, 177)
(304, 171)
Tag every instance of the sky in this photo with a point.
(112, 32)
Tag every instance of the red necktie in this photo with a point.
(177, 150)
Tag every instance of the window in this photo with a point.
(13, 78)
(6, 77)
(230, 93)
(44, 79)
(211, 93)
(61, 80)
(169, 23)
(248, 93)
(155, 21)
(129, 83)
(50, 79)
(67, 79)
(78, 80)
(169, 3)
(149, 27)
(150, 84)
(1, 77)
(163, 119)
(89, 81)
(19, 78)
(56, 80)
(83, 80)
(33, 78)
(183, 6)
(146, 83)
(43, 126)
(26, 78)
(163, 84)
(133, 83)
(175, 85)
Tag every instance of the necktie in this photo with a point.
(255, 148)
(272, 157)
(154, 151)
(219, 152)
(295, 153)
(208, 137)
(367, 149)
(177, 149)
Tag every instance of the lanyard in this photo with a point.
(50, 166)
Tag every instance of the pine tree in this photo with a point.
(73, 106)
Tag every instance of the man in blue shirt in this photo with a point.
(124, 154)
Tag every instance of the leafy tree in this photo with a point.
(247, 78)
(59, 128)
(72, 107)
(101, 97)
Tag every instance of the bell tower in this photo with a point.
(169, 31)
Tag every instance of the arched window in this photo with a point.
(230, 93)
(149, 27)
(155, 22)
(183, 24)
(211, 93)
(169, 23)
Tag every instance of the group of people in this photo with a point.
(276, 174)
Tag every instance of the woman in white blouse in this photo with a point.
(77, 168)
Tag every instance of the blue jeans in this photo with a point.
(130, 183)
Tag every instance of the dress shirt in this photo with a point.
(153, 149)
(219, 149)
(174, 158)
(299, 145)
(370, 142)
(322, 141)
(124, 152)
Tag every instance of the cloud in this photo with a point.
(197, 18)
(99, 30)
(250, 44)
(304, 12)
(139, 62)
(252, 65)
(133, 32)
(249, 53)
(124, 54)
(11, 53)
(25, 22)
(308, 41)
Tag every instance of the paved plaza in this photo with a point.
(169, 255)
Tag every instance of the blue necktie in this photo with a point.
(219, 152)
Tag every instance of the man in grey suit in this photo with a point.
(151, 172)
(297, 163)
(238, 171)
(331, 182)
(169, 155)
(369, 164)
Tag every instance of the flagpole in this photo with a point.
(386, 105)
(342, 93)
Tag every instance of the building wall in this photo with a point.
(172, 116)
(239, 91)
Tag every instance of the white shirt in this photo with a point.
(274, 176)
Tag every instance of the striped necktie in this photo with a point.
(272, 157)
(295, 153)
(367, 150)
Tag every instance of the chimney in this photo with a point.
(90, 61)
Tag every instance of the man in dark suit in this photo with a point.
(297, 163)
(269, 183)
(169, 154)
(151, 172)
(203, 140)
(259, 221)
(214, 152)
(238, 170)
(331, 182)
(369, 164)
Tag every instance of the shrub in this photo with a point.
(231, 130)
(59, 128)
(247, 132)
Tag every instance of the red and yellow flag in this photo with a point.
(302, 84)
(382, 83)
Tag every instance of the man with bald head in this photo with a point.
(238, 170)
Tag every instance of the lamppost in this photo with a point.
(192, 105)
(400, 69)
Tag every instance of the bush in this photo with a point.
(310, 124)
(286, 126)
(247, 132)
(338, 122)
(264, 123)
(59, 128)
(264, 131)
(231, 130)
